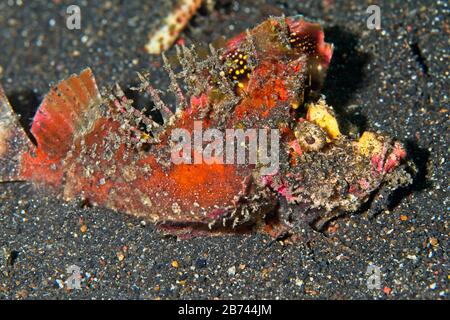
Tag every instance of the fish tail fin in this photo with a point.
(14, 142)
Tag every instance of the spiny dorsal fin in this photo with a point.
(70, 109)
(14, 142)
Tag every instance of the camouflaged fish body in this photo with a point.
(103, 150)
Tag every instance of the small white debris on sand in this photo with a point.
(231, 271)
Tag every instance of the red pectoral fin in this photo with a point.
(68, 109)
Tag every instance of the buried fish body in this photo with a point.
(103, 150)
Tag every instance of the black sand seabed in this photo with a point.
(394, 80)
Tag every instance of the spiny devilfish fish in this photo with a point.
(99, 148)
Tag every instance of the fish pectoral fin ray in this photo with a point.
(70, 109)
(14, 142)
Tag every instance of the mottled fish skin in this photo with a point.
(103, 150)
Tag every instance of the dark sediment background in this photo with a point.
(394, 80)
